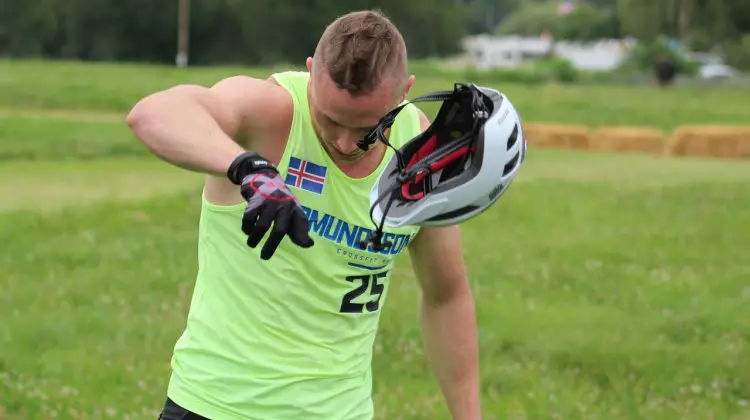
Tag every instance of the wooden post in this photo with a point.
(183, 32)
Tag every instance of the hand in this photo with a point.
(268, 202)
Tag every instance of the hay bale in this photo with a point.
(711, 141)
(629, 139)
(557, 136)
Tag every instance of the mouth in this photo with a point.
(353, 150)
(352, 154)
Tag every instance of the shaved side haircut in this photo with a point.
(361, 50)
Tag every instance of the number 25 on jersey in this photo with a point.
(372, 284)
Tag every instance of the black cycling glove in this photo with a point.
(268, 201)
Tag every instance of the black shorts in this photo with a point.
(172, 411)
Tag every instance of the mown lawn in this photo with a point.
(607, 286)
(72, 86)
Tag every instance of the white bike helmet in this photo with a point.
(454, 170)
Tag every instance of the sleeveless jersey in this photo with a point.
(291, 337)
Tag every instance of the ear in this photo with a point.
(309, 64)
(407, 88)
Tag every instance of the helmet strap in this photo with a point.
(378, 133)
(375, 238)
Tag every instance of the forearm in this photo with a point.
(179, 130)
(450, 336)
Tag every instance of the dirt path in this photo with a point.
(51, 186)
(77, 115)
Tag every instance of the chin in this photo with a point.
(344, 153)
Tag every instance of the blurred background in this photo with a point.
(612, 280)
(614, 39)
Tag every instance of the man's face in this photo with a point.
(342, 119)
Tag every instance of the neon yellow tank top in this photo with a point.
(291, 337)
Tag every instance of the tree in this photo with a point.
(586, 22)
(531, 19)
(641, 19)
(222, 31)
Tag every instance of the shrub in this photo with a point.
(522, 75)
(558, 69)
(642, 57)
(738, 53)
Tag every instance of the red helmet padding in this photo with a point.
(423, 151)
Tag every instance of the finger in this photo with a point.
(299, 229)
(269, 248)
(249, 219)
(280, 226)
(261, 226)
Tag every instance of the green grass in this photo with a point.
(48, 187)
(33, 138)
(609, 296)
(607, 286)
(115, 88)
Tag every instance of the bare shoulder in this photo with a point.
(424, 122)
(260, 114)
(262, 111)
(258, 104)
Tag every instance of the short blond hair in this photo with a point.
(360, 49)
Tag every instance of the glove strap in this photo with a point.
(246, 164)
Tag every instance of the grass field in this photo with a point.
(607, 286)
(79, 89)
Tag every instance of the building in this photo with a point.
(486, 51)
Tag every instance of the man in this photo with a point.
(284, 328)
(665, 70)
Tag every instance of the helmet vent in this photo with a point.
(454, 213)
(513, 137)
(510, 165)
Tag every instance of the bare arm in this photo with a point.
(198, 128)
(448, 319)
(447, 316)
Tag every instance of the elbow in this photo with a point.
(134, 119)
(142, 112)
(147, 120)
(449, 294)
(136, 114)
(153, 107)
